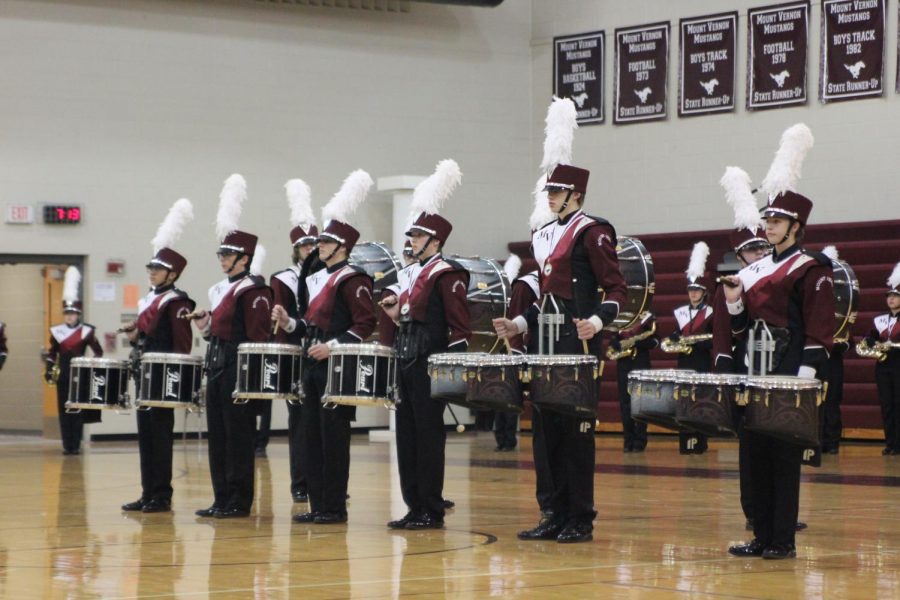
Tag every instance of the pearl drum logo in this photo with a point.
(173, 383)
(363, 373)
(270, 373)
(98, 387)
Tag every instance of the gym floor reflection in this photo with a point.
(664, 524)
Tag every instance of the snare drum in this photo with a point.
(494, 382)
(707, 403)
(361, 375)
(448, 372)
(98, 383)
(170, 380)
(784, 407)
(267, 372)
(653, 396)
(564, 383)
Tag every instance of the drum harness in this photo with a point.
(767, 345)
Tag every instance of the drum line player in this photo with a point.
(352, 326)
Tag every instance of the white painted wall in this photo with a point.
(662, 176)
(123, 107)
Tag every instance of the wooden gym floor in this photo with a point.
(664, 524)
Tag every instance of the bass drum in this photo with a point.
(382, 265)
(636, 266)
(846, 299)
(488, 296)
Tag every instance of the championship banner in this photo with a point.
(852, 49)
(641, 78)
(578, 73)
(706, 68)
(777, 46)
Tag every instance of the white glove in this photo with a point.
(806, 372)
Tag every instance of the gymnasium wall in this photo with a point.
(663, 176)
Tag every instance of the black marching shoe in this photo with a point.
(425, 521)
(576, 532)
(207, 512)
(779, 552)
(300, 497)
(751, 548)
(402, 521)
(330, 518)
(231, 513)
(448, 504)
(155, 506)
(547, 529)
(134, 506)
(800, 526)
(307, 517)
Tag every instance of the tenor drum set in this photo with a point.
(713, 404)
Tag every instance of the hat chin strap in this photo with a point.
(787, 234)
(416, 255)
(565, 203)
(333, 252)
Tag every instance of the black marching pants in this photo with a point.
(506, 425)
(295, 448)
(831, 413)
(887, 378)
(543, 475)
(155, 442)
(634, 432)
(71, 425)
(421, 439)
(231, 431)
(570, 448)
(326, 444)
(775, 477)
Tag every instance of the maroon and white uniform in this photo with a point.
(340, 305)
(67, 343)
(526, 289)
(886, 328)
(161, 321)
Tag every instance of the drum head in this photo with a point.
(636, 266)
(846, 299)
(487, 298)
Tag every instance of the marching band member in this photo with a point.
(576, 255)
(729, 351)
(885, 330)
(285, 289)
(4, 350)
(790, 294)
(240, 311)
(161, 327)
(830, 413)
(695, 319)
(430, 316)
(69, 340)
(339, 309)
(634, 433)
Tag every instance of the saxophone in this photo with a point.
(878, 350)
(627, 345)
(685, 344)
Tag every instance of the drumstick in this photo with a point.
(275, 329)
(584, 344)
(193, 315)
(508, 347)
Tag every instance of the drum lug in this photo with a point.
(766, 399)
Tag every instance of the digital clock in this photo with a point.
(62, 214)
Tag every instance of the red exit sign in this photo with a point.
(20, 214)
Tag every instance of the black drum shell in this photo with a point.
(360, 379)
(98, 383)
(708, 408)
(568, 389)
(495, 388)
(777, 413)
(174, 381)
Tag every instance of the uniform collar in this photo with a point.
(425, 261)
(777, 258)
(568, 217)
(336, 267)
(163, 288)
(238, 277)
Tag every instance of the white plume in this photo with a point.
(234, 192)
(894, 280)
(299, 198)
(784, 172)
(181, 213)
(344, 203)
(259, 258)
(430, 195)
(70, 285)
(541, 215)
(739, 196)
(697, 265)
(831, 252)
(512, 266)
(559, 132)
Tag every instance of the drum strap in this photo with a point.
(767, 346)
(411, 342)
